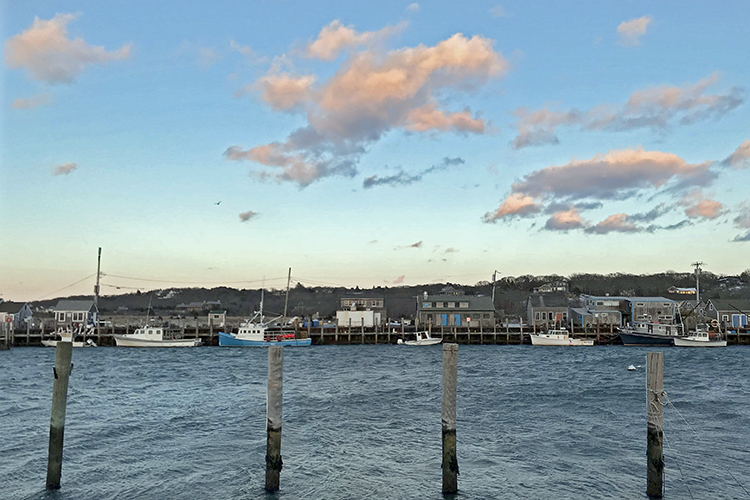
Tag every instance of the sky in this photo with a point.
(369, 144)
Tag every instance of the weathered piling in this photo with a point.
(450, 460)
(655, 424)
(62, 369)
(273, 417)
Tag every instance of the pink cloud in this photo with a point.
(614, 223)
(399, 280)
(373, 93)
(655, 108)
(565, 220)
(630, 32)
(615, 174)
(515, 204)
(697, 206)
(740, 158)
(45, 50)
(246, 216)
(64, 169)
(336, 37)
(32, 102)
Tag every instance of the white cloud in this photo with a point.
(413, 7)
(497, 11)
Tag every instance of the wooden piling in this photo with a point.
(62, 369)
(273, 417)
(655, 424)
(450, 460)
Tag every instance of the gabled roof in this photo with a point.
(11, 307)
(731, 305)
(75, 305)
(549, 300)
(476, 302)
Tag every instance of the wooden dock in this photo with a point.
(360, 335)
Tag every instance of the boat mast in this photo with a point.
(286, 300)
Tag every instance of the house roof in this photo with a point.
(476, 302)
(731, 305)
(11, 307)
(549, 300)
(74, 305)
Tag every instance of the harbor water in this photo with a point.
(363, 422)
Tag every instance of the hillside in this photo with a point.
(510, 294)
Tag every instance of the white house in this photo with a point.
(359, 318)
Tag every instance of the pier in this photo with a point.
(331, 335)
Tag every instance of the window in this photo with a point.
(640, 304)
(725, 317)
(536, 316)
(78, 316)
(451, 305)
(463, 305)
(426, 305)
(439, 304)
(61, 316)
(544, 315)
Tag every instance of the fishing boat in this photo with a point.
(558, 336)
(651, 334)
(702, 337)
(422, 338)
(68, 335)
(254, 333)
(154, 336)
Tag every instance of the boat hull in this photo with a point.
(685, 342)
(542, 340)
(423, 342)
(53, 343)
(646, 339)
(123, 341)
(229, 340)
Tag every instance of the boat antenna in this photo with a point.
(149, 308)
(286, 300)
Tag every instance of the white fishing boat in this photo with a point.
(558, 336)
(154, 336)
(422, 338)
(68, 335)
(701, 338)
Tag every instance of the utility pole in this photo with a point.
(286, 300)
(96, 292)
(494, 274)
(697, 282)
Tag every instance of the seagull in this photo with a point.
(217, 203)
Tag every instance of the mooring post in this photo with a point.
(450, 460)
(273, 417)
(655, 423)
(62, 369)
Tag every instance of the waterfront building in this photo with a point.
(455, 309)
(74, 313)
(731, 312)
(17, 313)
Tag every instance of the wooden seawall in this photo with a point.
(359, 335)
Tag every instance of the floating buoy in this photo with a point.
(631, 368)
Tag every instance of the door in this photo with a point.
(445, 319)
(457, 317)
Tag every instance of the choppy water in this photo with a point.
(364, 422)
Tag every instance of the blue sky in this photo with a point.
(363, 144)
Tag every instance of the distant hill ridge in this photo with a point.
(400, 301)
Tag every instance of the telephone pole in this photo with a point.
(698, 270)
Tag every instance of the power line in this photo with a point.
(151, 280)
(66, 287)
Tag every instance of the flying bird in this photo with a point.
(217, 203)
